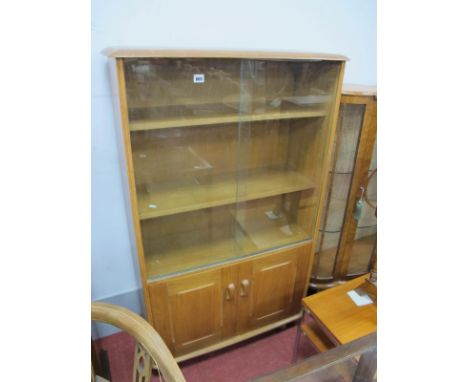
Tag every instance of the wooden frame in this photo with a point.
(169, 296)
(149, 343)
(366, 97)
(122, 52)
(365, 348)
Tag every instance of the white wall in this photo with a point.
(333, 26)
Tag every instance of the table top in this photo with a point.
(339, 316)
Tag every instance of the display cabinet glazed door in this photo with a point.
(271, 287)
(347, 235)
(283, 134)
(361, 240)
(196, 310)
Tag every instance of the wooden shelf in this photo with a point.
(195, 193)
(186, 255)
(361, 253)
(263, 229)
(318, 339)
(187, 121)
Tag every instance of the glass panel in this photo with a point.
(365, 239)
(227, 155)
(183, 120)
(283, 132)
(341, 176)
(344, 369)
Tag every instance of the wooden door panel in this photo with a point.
(196, 308)
(272, 287)
(277, 282)
(187, 310)
(194, 311)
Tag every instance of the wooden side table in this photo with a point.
(335, 318)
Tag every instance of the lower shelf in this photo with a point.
(232, 235)
(318, 339)
(361, 255)
(187, 254)
(359, 262)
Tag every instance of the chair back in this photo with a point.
(150, 349)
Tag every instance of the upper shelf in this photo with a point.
(183, 121)
(194, 193)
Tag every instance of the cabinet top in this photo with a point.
(127, 52)
(359, 90)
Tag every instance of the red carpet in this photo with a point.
(237, 363)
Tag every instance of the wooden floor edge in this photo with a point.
(236, 339)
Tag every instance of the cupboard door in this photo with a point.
(196, 310)
(271, 287)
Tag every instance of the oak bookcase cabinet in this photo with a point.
(347, 239)
(226, 156)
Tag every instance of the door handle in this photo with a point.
(231, 288)
(245, 284)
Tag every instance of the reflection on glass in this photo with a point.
(227, 155)
(291, 146)
(342, 171)
(365, 239)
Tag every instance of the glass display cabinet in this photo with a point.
(225, 154)
(347, 241)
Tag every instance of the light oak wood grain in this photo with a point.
(156, 52)
(318, 339)
(199, 309)
(359, 90)
(189, 121)
(125, 154)
(195, 193)
(238, 338)
(339, 316)
(206, 163)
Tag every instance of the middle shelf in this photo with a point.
(193, 193)
(171, 117)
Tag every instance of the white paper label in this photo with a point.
(286, 230)
(198, 78)
(271, 215)
(152, 206)
(358, 299)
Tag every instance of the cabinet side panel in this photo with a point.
(159, 297)
(125, 155)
